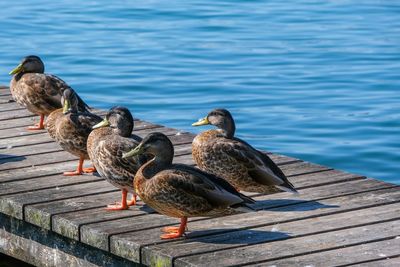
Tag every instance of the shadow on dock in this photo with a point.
(4, 158)
(291, 205)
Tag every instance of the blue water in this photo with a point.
(317, 80)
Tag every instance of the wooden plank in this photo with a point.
(13, 162)
(31, 172)
(39, 247)
(15, 114)
(389, 262)
(10, 106)
(26, 139)
(323, 178)
(20, 122)
(44, 182)
(45, 212)
(129, 245)
(295, 246)
(271, 233)
(15, 134)
(68, 224)
(374, 251)
(97, 234)
(14, 205)
(15, 120)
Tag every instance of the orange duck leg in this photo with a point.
(120, 206)
(39, 126)
(80, 169)
(175, 232)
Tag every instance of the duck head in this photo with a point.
(156, 144)
(220, 118)
(119, 119)
(29, 64)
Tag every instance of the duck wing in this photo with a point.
(260, 167)
(215, 190)
(54, 88)
(109, 151)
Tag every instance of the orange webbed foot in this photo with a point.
(170, 229)
(89, 170)
(73, 173)
(132, 202)
(117, 206)
(171, 235)
(174, 231)
(35, 127)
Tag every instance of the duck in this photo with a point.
(179, 190)
(39, 92)
(218, 151)
(70, 128)
(106, 144)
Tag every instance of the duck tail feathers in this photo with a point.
(289, 189)
(242, 207)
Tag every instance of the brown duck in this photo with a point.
(40, 93)
(106, 143)
(71, 128)
(219, 152)
(179, 190)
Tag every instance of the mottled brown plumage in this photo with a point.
(179, 190)
(106, 146)
(71, 128)
(219, 152)
(40, 93)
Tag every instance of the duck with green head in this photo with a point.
(71, 128)
(39, 92)
(218, 151)
(179, 190)
(106, 144)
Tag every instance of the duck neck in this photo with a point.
(228, 129)
(162, 160)
(124, 129)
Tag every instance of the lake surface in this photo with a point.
(317, 80)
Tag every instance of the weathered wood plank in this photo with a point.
(14, 205)
(46, 211)
(98, 234)
(380, 250)
(12, 162)
(39, 247)
(389, 262)
(10, 106)
(15, 120)
(270, 233)
(295, 246)
(129, 245)
(15, 114)
(44, 182)
(20, 122)
(31, 172)
(22, 137)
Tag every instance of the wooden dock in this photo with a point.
(339, 218)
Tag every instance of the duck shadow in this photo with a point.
(6, 158)
(286, 205)
(245, 237)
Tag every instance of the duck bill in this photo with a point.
(17, 69)
(103, 123)
(203, 121)
(136, 151)
(66, 106)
